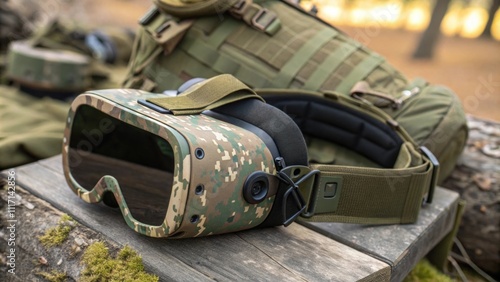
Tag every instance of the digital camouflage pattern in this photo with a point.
(231, 154)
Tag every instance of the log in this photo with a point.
(476, 178)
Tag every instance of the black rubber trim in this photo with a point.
(331, 121)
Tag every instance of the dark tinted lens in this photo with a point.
(142, 162)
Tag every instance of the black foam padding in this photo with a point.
(321, 118)
(282, 129)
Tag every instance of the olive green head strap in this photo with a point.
(390, 194)
(369, 195)
(211, 93)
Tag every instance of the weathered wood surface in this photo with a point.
(477, 179)
(294, 253)
(33, 217)
(401, 246)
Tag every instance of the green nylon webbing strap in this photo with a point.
(302, 56)
(212, 93)
(360, 72)
(144, 51)
(370, 196)
(331, 63)
(220, 62)
(219, 35)
(367, 195)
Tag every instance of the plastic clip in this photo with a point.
(435, 172)
(293, 194)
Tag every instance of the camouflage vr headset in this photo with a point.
(217, 159)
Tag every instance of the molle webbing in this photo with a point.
(304, 53)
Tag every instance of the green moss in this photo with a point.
(57, 235)
(101, 267)
(425, 272)
(54, 276)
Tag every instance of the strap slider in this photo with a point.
(263, 19)
(163, 27)
(435, 172)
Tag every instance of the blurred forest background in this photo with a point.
(451, 42)
(460, 49)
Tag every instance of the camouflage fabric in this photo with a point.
(231, 154)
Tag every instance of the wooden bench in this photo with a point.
(320, 252)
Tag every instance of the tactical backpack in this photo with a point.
(274, 44)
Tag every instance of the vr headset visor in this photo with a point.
(203, 163)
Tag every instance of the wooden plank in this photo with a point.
(401, 246)
(33, 217)
(308, 250)
(292, 254)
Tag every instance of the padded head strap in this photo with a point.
(318, 117)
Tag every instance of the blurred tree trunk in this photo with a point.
(495, 4)
(425, 48)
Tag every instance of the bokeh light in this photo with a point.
(463, 18)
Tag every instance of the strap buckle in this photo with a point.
(293, 198)
(263, 19)
(238, 9)
(435, 171)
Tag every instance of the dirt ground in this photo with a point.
(470, 67)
